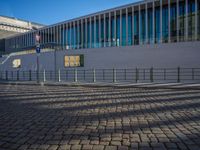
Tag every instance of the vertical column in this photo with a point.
(120, 28)
(115, 28)
(177, 20)
(104, 24)
(90, 45)
(196, 20)
(95, 30)
(153, 22)
(169, 21)
(109, 35)
(70, 36)
(186, 20)
(99, 30)
(57, 30)
(63, 36)
(146, 8)
(133, 31)
(126, 26)
(139, 24)
(161, 37)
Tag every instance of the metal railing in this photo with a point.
(135, 75)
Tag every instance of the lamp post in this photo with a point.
(37, 43)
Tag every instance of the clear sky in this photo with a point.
(53, 11)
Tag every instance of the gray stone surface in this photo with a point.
(104, 118)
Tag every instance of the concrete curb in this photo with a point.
(188, 86)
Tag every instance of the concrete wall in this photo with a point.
(185, 54)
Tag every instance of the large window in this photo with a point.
(113, 43)
(16, 63)
(74, 61)
(118, 31)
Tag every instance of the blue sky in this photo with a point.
(53, 11)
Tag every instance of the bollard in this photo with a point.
(192, 73)
(151, 74)
(59, 79)
(12, 75)
(136, 75)
(6, 75)
(30, 75)
(114, 75)
(44, 75)
(75, 75)
(178, 74)
(17, 75)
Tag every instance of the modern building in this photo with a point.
(10, 26)
(149, 33)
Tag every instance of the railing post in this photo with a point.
(30, 75)
(103, 74)
(124, 74)
(44, 75)
(75, 75)
(114, 75)
(94, 75)
(12, 75)
(136, 75)
(66, 75)
(59, 79)
(84, 74)
(6, 75)
(164, 74)
(17, 75)
(151, 74)
(178, 74)
(192, 73)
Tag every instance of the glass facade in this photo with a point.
(120, 27)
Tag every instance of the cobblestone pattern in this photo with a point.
(61, 118)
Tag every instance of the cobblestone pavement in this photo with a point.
(104, 118)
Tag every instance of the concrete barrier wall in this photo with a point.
(186, 54)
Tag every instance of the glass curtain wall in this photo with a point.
(198, 18)
(124, 30)
(118, 30)
(93, 26)
(97, 33)
(88, 34)
(165, 31)
(102, 33)
(150, 25)
(130, 34)
(113, 31)
(173, 23)
(191, 20)
(181, 20)
(136, 28)
(157, 25)
(142, 27)
(107, 32)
